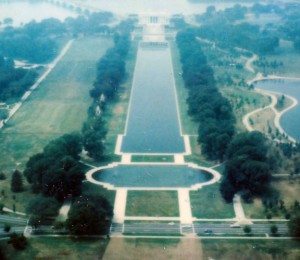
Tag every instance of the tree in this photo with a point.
(16, 182)
(89, 215)
(247, 169)
(7, 228)
(19, 242)
(274, 230)
(294, 226)
(247, 229)
(2, 176)
(44, 207)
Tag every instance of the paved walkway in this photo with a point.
(185, 211)
(120, 206)
(239, 211)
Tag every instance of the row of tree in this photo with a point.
(36, 42)
(206, 104)
(110, 74)
(14, 82)
(56, 171)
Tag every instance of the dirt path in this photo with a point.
(144, 248)
(249, 62)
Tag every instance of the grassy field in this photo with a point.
(152, 158)
(152, 203)
(288, 192)
(58, 248)
(264, 121)
(116, 113)
(148, 249)
(9, 198)
(290, 58)
(57, 107)
(251, 249)
(189, 127)
(89, 188)
(208, 203)
(244, 101)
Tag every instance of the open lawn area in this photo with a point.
(58, 248)
(152, 203)
(9, 199)
(244, 101)
(290, 58)
(288, 192)
(251, 249)
(264, 121)
(208, 203)
(148, 249)
(89, 188)
(58, 106)
(189, 127)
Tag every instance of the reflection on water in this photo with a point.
(290, 120)
(24, 12)
(138, 6)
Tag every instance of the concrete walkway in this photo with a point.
(185, 211)
(239, 211)
(120, 206)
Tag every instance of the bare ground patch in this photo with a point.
(150, 248)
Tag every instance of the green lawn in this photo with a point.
(290, 58)
(152, 203)
(250, 249)
(189, 127)
(152, 158)
(244, 101)
(58, 248)
(208, 203)
(89, 188)
(57, 107)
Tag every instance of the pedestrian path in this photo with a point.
(185, 211)
(120, 206)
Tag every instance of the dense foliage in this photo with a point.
(16, 182)
(110, 74)
(56, 171)
(247, 168)
(42, 208)
(37, 42)
(206, 104)
(14, 82)
(89, 215)
(294, 226)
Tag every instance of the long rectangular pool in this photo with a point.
(153, 124)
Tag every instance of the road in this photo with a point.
(13, 220)
(200, 228)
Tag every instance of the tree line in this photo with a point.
(206, 105)
(14, 82)
(110, 74)
(56, 173)
(37, 42)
